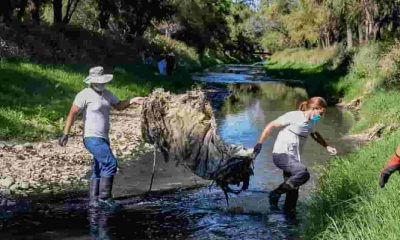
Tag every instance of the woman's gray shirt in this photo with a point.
(293, 136)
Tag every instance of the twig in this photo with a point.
(154, 167)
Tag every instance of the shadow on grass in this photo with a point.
(318, 80)
(35, 98)
(29, 99)
(147, 76)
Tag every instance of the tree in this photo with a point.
(58, 14)
(307, 23)
(204, 22)
(22, 6)
(5, 10)
(36, 11)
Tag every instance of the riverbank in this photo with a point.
(36, 99)
(348, 204)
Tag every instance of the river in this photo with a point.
(202, 213)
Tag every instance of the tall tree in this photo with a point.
(22, 7)
(58, 11)
(35, 12)
(5, 10)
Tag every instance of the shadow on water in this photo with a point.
(193, 214)
(199, 213)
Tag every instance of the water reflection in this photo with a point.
(244, 116)
(98, 224)
(201, 213)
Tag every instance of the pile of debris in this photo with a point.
(183, 128)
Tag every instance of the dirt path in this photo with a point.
(46, 167)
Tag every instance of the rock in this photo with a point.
(14, 187)
(5, 192)
(6, 182)
(19, 147)
(24, 185)
(46, 191)
(3, 144)
(28, 145)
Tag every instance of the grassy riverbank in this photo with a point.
(35, 98)
(348, 203)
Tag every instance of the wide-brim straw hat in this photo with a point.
(96, 75)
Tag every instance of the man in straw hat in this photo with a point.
(96, 101)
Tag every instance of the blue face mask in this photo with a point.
(315, 117)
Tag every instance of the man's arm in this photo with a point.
(62, 141)
(392, 165)
(121, 105)
(71, 118)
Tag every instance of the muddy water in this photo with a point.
(199, 213)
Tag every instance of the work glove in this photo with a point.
(392, 165)
(257, 149)
(62, 141)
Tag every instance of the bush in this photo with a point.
(316, 56)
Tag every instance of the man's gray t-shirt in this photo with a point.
(96, 111)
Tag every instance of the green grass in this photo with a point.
(318, 79)
(35, 99)
(380, 107)
(348, 203)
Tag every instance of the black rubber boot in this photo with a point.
(105, 197)
(275, 195)
(94, 192)
(290, 203)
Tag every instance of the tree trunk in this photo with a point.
(5, 10)
(71, 7)
(360, 34)
(21, 11)
(366, 31)
(327, 40)
(349, 34)
(36, 11)
(104, 14)
(376, 31)
(57, 11)
(395, 20)
(370, 28)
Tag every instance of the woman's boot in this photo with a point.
(290, 203)
(276, 194)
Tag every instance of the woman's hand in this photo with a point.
(331, 150)
(257, 149)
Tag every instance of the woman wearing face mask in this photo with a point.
(295, 127)
(96, 102)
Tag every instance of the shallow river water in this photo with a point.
(202, 213)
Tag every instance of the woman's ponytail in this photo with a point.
(303, 106)
(313, 103)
